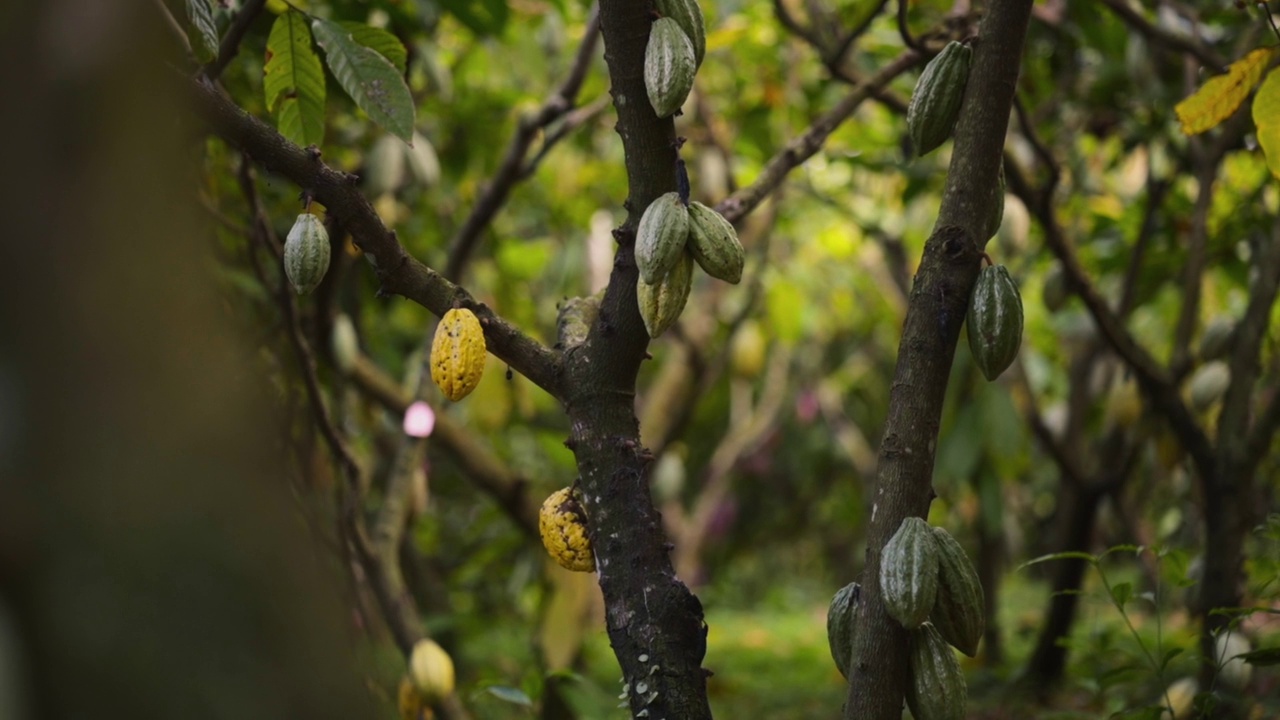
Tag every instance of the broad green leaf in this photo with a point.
(484, 17)
(1121, 593)
(380, 41)
(368, 77)
(1220, 96)
(294, 78)
(1266, 116)
(1263, 656)
(201, 16)
(1060, 556)
(1169, 655)
(510, 694)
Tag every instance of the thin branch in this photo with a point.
(398, 273)
(842, 49)
(792, 24)
(512, 168)
(572, 121)
(1156, 188)
(1154, 33)
(235, 34)
(1066, 462)
(1025, 123)
(1240, 448)
(905, 31)
(1193, 270)
(800, 149)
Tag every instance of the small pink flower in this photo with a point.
(419, 420)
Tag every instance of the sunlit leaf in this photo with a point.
(1266, 116)
(510, 694)
(368, 77)
(1220, 96)
(380, 41)
(1121, 593)
(206, 30)
(1059, 556)
(484, 17)
(293, 79)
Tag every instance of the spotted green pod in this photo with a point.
(688, 15)
(662, 303)
(994, 321)
(669, 66)
(959, 612)
(306, 253)
(661, 236)
(909, 573)
(714, 244)
(935, 102)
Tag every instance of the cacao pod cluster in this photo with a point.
(458, 353)
(930, 587)
(935, 101)
(994, 321)
(670, 239)
(677, 42)
(562, 523)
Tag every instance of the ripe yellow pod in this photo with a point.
(458, 353)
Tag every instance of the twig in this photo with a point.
(572, 121)
(235, 34)
(793, 25)
(397, 271)
(904, 30)
(842, 49)
(737, 205)
(1038, 146)
(1173, 41)
(512, 168)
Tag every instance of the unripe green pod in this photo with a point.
(840, 621)
(688, 15)
(909, 573)
(959, 612)
(937, 690)
(661, 237)
(662, 303)
(669, 66)
(994, 321)
(935, 102)
(714, 244)
(306, 253)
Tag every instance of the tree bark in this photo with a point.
(939, 297)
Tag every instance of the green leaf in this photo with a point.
(1266, 116)
(201, 16)
(368, 77)
(484, 17)
(1121, 593)
(512, 695)
(294, 78)
(380, 41)
(1221, 96)
(1169, 655)
(1060, 556)
(1263, 656)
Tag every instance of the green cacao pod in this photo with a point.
(840, 621)
(909, 573)
(935, 102)
(714, 244)
(306, 253)
(669, 66)
(661, 303)
(937, 690)
(688, 15)
(994, 321)
(661, 237)
(959, 612)
(1208, 384)
(1055, 289)
(1217, 337)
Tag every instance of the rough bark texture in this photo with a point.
(939, 296)
(655, 624)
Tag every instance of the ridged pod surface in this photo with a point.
(669, 66)
(688, 15)
(306, 253)
(909, 573)
(935, 102)
(458, 353)
(959, 612)
(937, 690)
(662, 303)
(431, 670)
(994, 321)
(714, 244)
(661, 236)
(840, 616)
(563, 526)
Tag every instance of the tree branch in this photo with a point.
(398, 273)
(939, 298)
(1178, 43)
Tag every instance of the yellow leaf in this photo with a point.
(1266, 116)
(1218, 98)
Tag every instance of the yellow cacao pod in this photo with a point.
(306, 253)
(669, 66)
(714, 244)
(431, 669)
(661, 236)
(662, 303)
(458, 353)
(563, 525)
